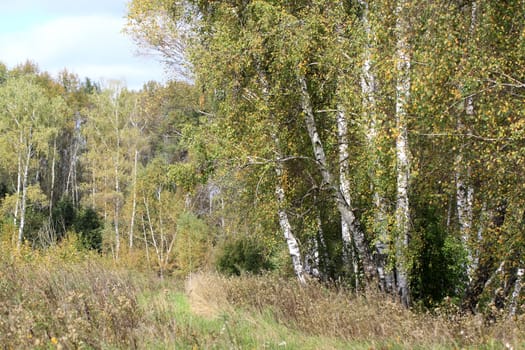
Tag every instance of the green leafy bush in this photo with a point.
(89, 227)
(193, 243)
(438, 262)
(243, 254)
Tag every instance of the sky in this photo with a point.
(83, 36)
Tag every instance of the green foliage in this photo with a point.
(64, 215)
(88, 225)
(3, 73)
(84, 221)
(192, 244)
(237, 255)
(438, 260)
(175, 168)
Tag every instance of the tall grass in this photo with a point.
(336, 313)
(77, 305)
(63, 298)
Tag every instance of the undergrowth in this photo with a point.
(63, 298)
(368, 318)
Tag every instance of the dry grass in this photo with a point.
(329, 312)
(64, 299)
(48, 306)
(205, 301)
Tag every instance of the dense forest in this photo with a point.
(375, 145)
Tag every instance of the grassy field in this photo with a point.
(64, 300)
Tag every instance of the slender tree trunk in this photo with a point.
(24, 195)
(153, 239)
(18, 185)
(464, 189)
(52, 190)
(323, 268)
(311, 258)
(370, 115)
(402, 148)
(321, 247)
(344, 207)
(464, 204)
(134, 203)
(71, 181)
(105, 199)
(19, 176)
(117, 185)
(284, 222)
(349, 258)
(486, 270)
(162, 248)
(518, 284)
(286, 228)
(144, 232)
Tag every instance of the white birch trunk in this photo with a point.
(93, 186)
(349, 258)
(286, 228)
(320, 245)
(146, 242)
(518, 284)
(311, 259)
(163, 241)
(117, 185)
(18, 181)
(368, 90)
(71, 181)
(18, 186)
(402, 149)
(134, 204)
(24, 195)
(71, 184)
(464, 190)
(52, 190)
(464, 204)
(344, 207)
(284, 222)
(158, 251)
(483, 221)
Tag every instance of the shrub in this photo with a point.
(243, 254)
(192, 244)
(89, 228)
(438, 261)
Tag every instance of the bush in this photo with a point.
(243, 254)
(89, 228)
(193, 243)
(64, 216)
(438, 261)
(84, 221)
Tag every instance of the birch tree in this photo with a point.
(402, 61)
(463, 172)
(284, 222)
(107, 120)
(26, 115)
(372, 123)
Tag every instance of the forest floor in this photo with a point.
(64, 300)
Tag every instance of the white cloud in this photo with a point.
(88, 45)
(66, 7)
